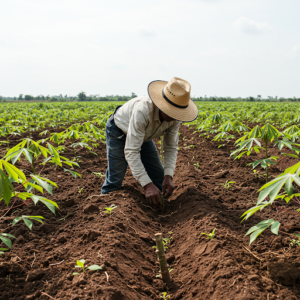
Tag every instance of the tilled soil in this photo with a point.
(41, 262)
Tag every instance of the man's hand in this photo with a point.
(167, 186)
(153, 194)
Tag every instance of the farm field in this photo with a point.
(53, 160)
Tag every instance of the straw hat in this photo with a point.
(173, 98)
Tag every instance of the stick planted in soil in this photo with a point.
(165, 275)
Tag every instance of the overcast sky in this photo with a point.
(222, 47)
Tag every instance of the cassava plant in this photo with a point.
(258, 139)
(285, 188)
(165, 274)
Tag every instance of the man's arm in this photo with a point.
(134, 140)
(170, 149)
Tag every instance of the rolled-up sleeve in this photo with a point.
(170, 149)
(134, 140)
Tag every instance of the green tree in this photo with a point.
(81, 96)
(28, 97)
(20, 97)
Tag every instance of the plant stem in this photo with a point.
(267, 158)
(33, 167)
(162, 258)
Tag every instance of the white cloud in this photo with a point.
(296, 50)
(246, 25)
(147, 32)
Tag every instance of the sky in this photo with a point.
(235, 48)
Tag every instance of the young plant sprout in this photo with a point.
(108, 210)
(2, 249)
(165, 295)
(165, 241)
(62, 219)
(98, 174)
(227, 184)
(294, 242)
(211, 235)
(80, 264)
(197, 166)
(80, 190)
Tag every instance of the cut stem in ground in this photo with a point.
(165, 275)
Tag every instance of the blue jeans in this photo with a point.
(117, 164)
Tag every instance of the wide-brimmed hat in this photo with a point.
(173, 98)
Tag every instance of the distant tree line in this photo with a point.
(82, 96)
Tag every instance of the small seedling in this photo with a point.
(211, 235)
(62, 219)
(98, 174)
(257, 173)
(295, 243)
(168, 240)
(80, 190)
(165, 247)
(197, 166)
(217, 163)
(227, 185)
(80, 264)
(76, 159)
(165, 295)
(2, 250)
(191, 146)
(110, 209)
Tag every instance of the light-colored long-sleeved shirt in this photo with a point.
(139, 120)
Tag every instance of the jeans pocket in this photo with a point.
(116, 134)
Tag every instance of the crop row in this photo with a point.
(69, 126)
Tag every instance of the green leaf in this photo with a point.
(80, 263)
(6, 191)
(28, 223)
(289, 186)
(94, 268)
(47, 180)
(7, 234)
(255, 234)
(27, 155)
(275, 227)
(5, 240)
(16, 220)
(50, 204)
(72, 172)
(43, 184)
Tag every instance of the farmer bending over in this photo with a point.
(131, 128)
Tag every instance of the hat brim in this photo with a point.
(187, 114)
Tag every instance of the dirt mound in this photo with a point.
(42, 261)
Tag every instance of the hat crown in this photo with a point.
(178, 91)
